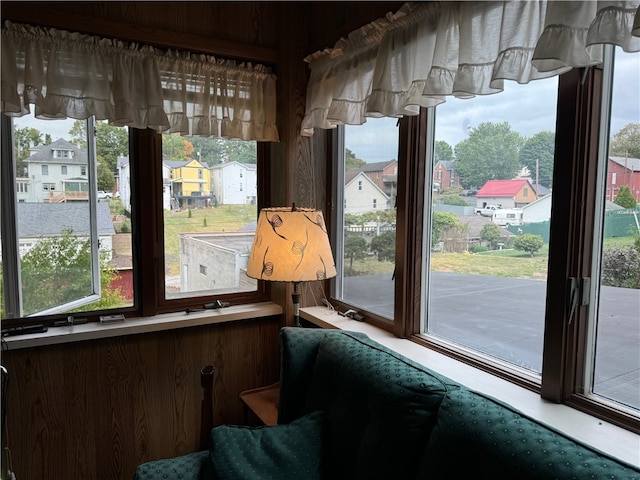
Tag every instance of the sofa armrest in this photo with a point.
(298, 351)
(194, 466)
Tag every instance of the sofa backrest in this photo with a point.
(479, 437)
(380, 406)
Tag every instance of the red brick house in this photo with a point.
(445, 175)
(506, 193)
(623, 171)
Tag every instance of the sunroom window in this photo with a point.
(64, 233)
(486, 267)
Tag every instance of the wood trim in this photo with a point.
(409, 220)
(145, 146)
(576, 136)
(25, 12)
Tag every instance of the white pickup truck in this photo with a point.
(487, 210)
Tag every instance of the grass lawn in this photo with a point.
(498, 263)
(223, 218)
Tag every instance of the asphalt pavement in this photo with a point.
(504, 318)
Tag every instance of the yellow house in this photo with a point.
(190, 183)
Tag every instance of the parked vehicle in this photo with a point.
(487, 210)
(102, 195)
(505, 217)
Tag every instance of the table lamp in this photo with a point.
(291, 245)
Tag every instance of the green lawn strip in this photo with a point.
(223, 218)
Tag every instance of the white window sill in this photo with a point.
(131, 326)
(603, 436)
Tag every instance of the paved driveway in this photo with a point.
(504, 317)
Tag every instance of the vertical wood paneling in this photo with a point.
(97, 409)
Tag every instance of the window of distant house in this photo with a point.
(375, 203)
(203, 270)
(83, 170)
(45, 169)
(63, 169)
(359, 184)
(200, 174)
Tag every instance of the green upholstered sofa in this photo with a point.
(352, 409)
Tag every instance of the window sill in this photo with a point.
(131, 326)
(615, 441)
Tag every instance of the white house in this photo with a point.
(537, 211)
(234, 183)
(124, 181)
(362, 195)
(55, 173)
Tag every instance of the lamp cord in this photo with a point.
(325, 301)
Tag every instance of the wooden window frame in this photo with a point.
(572, 229)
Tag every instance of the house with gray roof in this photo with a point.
(41, 220)
(55, 173)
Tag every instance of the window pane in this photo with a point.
(64, 257)
(490, 211)
(210, 212)
(366, 268)
(616, 363)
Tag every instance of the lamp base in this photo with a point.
(295, 298)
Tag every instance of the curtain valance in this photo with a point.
(65, 74)
(425, 52)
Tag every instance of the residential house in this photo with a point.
(506, 193)
(537, 211)
(445, 175)
(55, 173)
(96, 401)
(41, 220)
(623, 171)
(190, 183)
(362, 195)
(234, 183)
(383, 174)
(123, 177)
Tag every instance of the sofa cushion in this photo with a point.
(479, 437)
(272, 452)
(193, 466)
(380, 408)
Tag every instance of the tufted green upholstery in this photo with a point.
(478, 437)
(277, 452)
(380, 407)
(193, 466)
(298, 351)
(387, 417)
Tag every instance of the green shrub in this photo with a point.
(478, 249)
(454, 200)
(529, 243)
(621, 267)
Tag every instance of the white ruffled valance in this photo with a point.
(72, 75)
(425, 52)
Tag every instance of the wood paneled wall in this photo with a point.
(97, 409)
